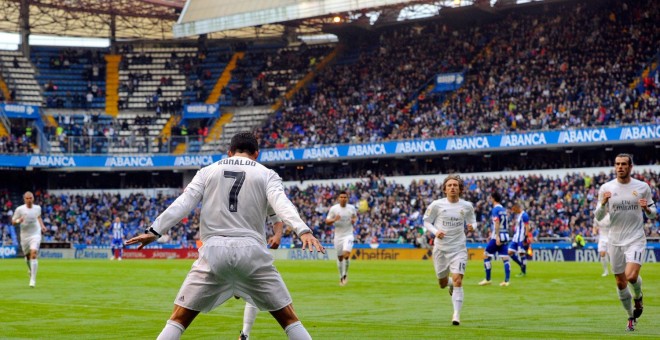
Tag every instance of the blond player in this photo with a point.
(235, 193)
(447, 218)
(627, 200)
(28, 217)
(343, 216)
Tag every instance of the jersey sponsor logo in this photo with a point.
(129, 161)
(327, 152)
(523, 139)
(468, 143)
(276, 155)
(640, 132)
(366, 150)
(582, 136)
(193, 160)
(415, 146)
(52, 161)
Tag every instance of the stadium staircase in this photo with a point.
(639, 81)
(5, 125)
(212, 141)
(166, 131)
(213, 98)
(4, 88)
(224, 79)
(339, 49)
(112, 84)
(215, 63)
(22, 78)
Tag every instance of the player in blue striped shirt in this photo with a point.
(498, 240)
(518, 246)
(117, 238)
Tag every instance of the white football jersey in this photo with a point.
(343, 227)
(450, 218)
(626, 217)
(235, 194)
(30, 226)
(603, 227)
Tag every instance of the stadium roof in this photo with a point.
(165, 19)
(133, 19)
(207, 16)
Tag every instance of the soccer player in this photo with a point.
(117, 239)
(250, 311)
(498, 240)
(627, 200)
(446, 218)
(28, 217)
(518, 246)
(235, 193)
(343, 216)
(602, 229)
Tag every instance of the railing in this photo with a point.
(126, 144)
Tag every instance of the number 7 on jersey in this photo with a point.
(239, 178)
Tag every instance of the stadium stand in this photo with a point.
(19, 76)
(521, 75)
(155, 77)
(71, 78)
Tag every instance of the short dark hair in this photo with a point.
(497, 197)
(244, 142)
(343, 192)
(625, 155)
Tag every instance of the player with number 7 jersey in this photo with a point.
(235, 193)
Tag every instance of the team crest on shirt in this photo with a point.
(634, 193)
(462, 213)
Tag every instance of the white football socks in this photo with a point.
(34, 265)
(172, 331)
(249, 315)
(637, 288)
(457, 299)
(603, 262)
(296, 331)
(340, 267)
(626, 300)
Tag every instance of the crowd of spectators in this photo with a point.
(559, 208)
(15, 144)
(572, 66)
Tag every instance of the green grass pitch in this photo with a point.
(92, 299)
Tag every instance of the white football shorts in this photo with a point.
(233, 266)
(344, 244)
(30, 243)
(453, 262)
(621, 255)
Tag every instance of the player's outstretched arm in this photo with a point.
(310, 242)
(143, 240)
